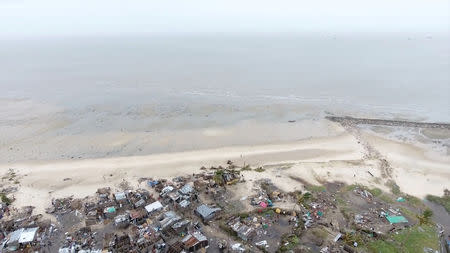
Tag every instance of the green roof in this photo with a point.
(396, 219)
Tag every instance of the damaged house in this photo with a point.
(195, 241)
(206, 213)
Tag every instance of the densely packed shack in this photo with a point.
(200, 212)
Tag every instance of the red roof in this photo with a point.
(189, 242)
(137, 213)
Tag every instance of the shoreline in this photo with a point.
(325, 159)
(386, 122)
(43, 180)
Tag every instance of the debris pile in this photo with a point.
(207, 211)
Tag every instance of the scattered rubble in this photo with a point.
(192, 213)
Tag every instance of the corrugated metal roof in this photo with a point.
(185, 203)
(28, 235)
(14, 236)
(153, 206)
(199, 236)
(167, 189)
(120, 195)
(206, 211)
(141, 202)
(170, 218)
(186, 189)
(189, 241)
(180, 224)
(193, 239)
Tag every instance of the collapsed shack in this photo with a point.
(138, 216)
(36, 237)
(226, 176)
(118, 243)
(21, 239)
(64, 205)
(242, 230)
(185, 217)
(194, 241)
(266, 194)
(83, 239)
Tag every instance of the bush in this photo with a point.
(425, 218)
(443, 201)
(243, 215)
(246, 167)
(303, 198)
(218, 177)
(228, 229)
(259, 169)
(412, 239)
(5, 199)
(395, 189)
(288, 242)
(376, 192)
(416, 202)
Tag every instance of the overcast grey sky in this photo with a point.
(75, 17)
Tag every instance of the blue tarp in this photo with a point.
(152, 183)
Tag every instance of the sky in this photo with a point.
(35, 18)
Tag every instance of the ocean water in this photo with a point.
(149, 94)
(392, 75)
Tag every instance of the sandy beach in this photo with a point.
(343, 157)
(273, 126)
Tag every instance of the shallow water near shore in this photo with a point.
(118, 96)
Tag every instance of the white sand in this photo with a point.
(338, 158)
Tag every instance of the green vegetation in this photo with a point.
(340, 201)
(443, 201)
(303, 198)
(395, 189)
(350, 238)
(243, 215)
(259, 169)
(383, 247)
(5, 199)
(246, 167)
(425, 218)
(11, 176)
(320, 233)
(386, 198)
(218, 177)
(228, 230)
(346, 212)
(288, 242)
(409, 240)
(267, 187)
(414, 201)
(351, 187)
(316, 188)
(410, 214)
(269, 212)
(375, 192)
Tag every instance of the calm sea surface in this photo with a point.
(232, 78)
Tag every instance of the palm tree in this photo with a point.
(425, 218)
